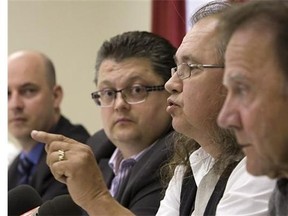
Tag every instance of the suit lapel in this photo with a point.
(106, 171)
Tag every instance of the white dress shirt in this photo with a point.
(13, 151)
(244, 194)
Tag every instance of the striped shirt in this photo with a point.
(121, 167)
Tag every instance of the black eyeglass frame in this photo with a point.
(192, 67)
(96, 96)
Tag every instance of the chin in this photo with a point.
(178, 126)
(261, 167)
(19, 134)
(255, 167)
(125, 135)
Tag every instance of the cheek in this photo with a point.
(202, 105)
(153, 116)
(258, 129)
(106, 116)
(39, 106)
(273, 135)
(157, 112)
(191, 100)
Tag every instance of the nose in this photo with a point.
(174, 84)
(119, 101)
(229, 116)
(15, 101)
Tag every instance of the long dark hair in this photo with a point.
(225, 139)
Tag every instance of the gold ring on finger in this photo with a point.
(61, 155)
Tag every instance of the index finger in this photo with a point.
(45, 137)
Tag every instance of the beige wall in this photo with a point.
(70, 32)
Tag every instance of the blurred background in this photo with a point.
(71, 32)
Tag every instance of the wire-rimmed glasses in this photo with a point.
(185, 70)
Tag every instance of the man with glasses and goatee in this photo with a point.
(131, 70)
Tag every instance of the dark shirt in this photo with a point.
(141, 190)
(278, 204)
(42, 179)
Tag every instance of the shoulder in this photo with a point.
(245, 194)
(101, 146)
(74, 131)
(241, 179)
(161, 150)
(240, 176)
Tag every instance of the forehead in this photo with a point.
(127, 71)
(26, 69)
(199, 43)
(251, 51)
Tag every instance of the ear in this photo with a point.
(58, 95)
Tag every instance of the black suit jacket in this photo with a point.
(42, 179)
(141, 192)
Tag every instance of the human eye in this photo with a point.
(107, 93)
(240, 89)
(29, 91)
(194, 68)
(137, 90)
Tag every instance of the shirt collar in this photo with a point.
(117, 158)
(201, 163)
(35, 154)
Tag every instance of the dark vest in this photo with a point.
(189, 190)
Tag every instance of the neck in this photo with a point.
(27, 143)
(130, 150)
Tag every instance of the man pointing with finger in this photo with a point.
(131, 70)
(34, 99)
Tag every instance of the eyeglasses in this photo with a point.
(185, 70)
(132, 95)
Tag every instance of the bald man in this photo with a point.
(34, 100)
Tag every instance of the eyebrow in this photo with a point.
(233, 78)
(28, 84)
(130, 80)
(187, 58)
